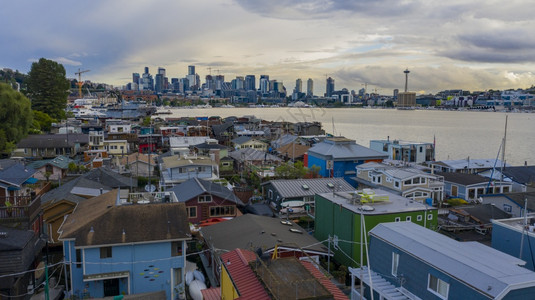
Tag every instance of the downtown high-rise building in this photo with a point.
(264, 84)
(310, 87)
(330, 87)
(298, 85)
(147, 83)
(250, 83)
(159, 81)
(191, 70)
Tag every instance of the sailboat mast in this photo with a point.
(503, 150)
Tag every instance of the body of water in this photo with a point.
(458, 134)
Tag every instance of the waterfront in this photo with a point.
(459, 134)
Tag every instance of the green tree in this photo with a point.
(48, 88)
(15, 117)
(43, 120)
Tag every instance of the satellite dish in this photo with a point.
(150, 188)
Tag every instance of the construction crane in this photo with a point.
(80, 83)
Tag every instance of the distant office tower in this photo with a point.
(158, 83)
(210, 82)
(238, 83)
(161, 71)
(191, 70)
(299, 85)
(264, 84)
(146, 70)
(184, 85)
(310, 87)
(330, 87)
(250, 83)
(147, 81)
(175, 85)
(396, 92)
(219, 80)
(135, 77)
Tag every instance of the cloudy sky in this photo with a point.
(473, 45)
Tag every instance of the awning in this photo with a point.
(13, 188)
(31, 180)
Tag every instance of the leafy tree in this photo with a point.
(43, 120)
(48, 88)
(15, 117)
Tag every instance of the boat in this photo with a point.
(195, 288)
(295, 206)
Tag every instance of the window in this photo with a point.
(419, 218)
(205, 198)
(270, 194)
(216, 211)
(176, 248)
(78, 258)
(407, 182)
(438, 286)
(408, 218)
(105, 252)
(429, 217)
(395, 263)
(192, 211)
(49, 169)
(505, 189)
(396, 184)
(416, 180)
(421, 149)
(397, 219)
(507, 208)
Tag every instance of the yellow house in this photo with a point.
(117, 147)
(237, 277)
(244, 142)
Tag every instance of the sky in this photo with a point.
(456, 44)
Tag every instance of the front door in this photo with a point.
(111, 287)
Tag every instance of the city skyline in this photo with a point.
(455, 45)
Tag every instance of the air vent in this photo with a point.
(295, 230)
(305, 187)
(330, 185)
(286, 223)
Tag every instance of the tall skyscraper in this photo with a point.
(147, 81)
(264, 84)
(219, 80)
(330, 87)
(210, 82)
(135, 81)
(250, 83)
(158, 83)
(191, 70)
(310, 87)
(299, 85)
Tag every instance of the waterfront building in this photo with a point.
(343, 216)
(108, 254)
(417, 152)
(406, 259)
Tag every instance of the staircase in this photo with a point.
(383, 287)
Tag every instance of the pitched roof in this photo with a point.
(326, 282)
(259, 231)
(53, 140)
(522, 174)
(342, 148)
(463, 178)
(141, 157)
(250, 154)
(110, 178)
(59, 161)
(98, 221)
(236, 262)
(241, 140)
(194, 187)
(477, 265)
(518, 198)
(293, 150)
(16, 174)
(16, 239)
(291, 188)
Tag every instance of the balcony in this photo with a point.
(22, 207)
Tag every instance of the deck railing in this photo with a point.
(16, 207)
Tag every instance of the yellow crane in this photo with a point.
(80, 83)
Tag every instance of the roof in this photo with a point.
(141, 157)
(241, 140)
(16, 174)
(236, 262)
(483, 212)
(213, 293)
(250, 154)
(463, 178)
(339, 148)
(210, 146)
(517, 198)
(194, 187)
(59, 161)
(16, 239)
(176, 161)
(110, 178)
(326, 282)
(53, 140)
(186, 141)
(395, 172)
(458, 164)
(293, 150)
(285, 139)
(477, 265)
(522, 174)
(98, 221)
(259, 231)
(292, 188)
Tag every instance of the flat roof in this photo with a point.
(395, 203)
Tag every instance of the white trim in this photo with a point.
(438, 284)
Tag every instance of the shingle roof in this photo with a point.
(236, 263)
(109, 177)
(463, 178)
(291, 188)
(259, 231)
(522, 174)
(16, 174)
(98, 221)
(53, 140)
(16, 239)
(194, 187)
(241, 140)
(477, 265)
(336, 148)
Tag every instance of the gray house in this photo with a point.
(408, 261)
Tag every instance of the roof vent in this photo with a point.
(330, 185)
(286, 223)
(295, 230)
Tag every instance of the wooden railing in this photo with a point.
(19, 207)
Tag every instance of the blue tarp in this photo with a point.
(31, 180)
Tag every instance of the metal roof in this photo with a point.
(292, 188)
(250, 154)
(59, 161)
(463, 178)
(195, 187)
(16, 174)
(336, 148)
(482, 267)
(470, 163)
